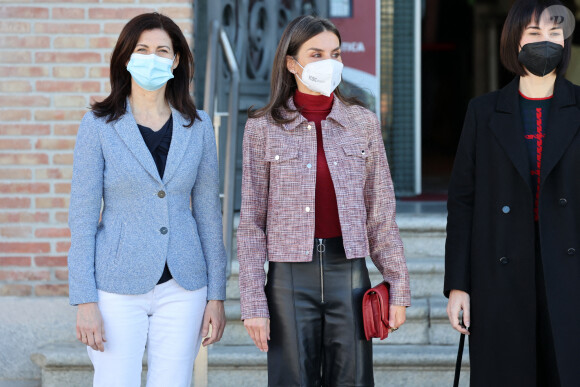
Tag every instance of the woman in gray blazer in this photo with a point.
(147, 260)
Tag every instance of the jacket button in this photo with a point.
(307, 209)
(276, 157)
(571, 251)
(563, 202)
(163, 230)
(504, 260)
(308, 166)
(309, 127)
(161, 194)
(506, 209)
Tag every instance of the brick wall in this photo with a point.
(54, 59)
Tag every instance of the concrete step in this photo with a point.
(426, 275)
(394, 365)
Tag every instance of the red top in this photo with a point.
(326, 222)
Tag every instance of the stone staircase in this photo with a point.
(422, 353)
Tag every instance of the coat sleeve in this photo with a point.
(460, 210)
(386, 247)
(206, 210)
(84, 211)
(252, 250)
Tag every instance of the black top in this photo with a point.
(534, 113)
(158, 143)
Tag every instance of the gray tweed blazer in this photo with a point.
(126, 221)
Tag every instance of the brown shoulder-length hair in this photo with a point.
(283, 84)
(520, 15)
(177, 90)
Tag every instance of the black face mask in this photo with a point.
(541, 58)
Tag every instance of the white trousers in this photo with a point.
(167, 320)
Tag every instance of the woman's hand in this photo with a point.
(259, 330)
(90, 328)
(397, 316)
(215, 316)
(458, 301)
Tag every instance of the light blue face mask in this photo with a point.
(150, 72)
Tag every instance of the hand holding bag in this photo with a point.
(375, 306)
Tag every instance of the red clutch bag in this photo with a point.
(375, 306)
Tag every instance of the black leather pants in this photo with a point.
(316, 329)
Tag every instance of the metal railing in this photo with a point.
(218, 36)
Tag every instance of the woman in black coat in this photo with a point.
(512, 261)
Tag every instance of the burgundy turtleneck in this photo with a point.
(316, 108)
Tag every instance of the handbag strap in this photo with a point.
(459, 357)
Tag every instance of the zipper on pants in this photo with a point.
(321, 248)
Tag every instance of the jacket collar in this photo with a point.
(338, 113)
(126, 127)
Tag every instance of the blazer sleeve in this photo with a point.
(84, 211)
(206, 210)
(386, 247)
(252, 250)
(460, 209)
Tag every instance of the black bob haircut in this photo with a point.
(520, 15)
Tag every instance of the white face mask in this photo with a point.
(322, 76)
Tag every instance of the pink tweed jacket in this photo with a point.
(278, 187)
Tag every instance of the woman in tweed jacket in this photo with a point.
(148, 269)
(317, 198)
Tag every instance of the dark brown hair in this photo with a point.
(177, 89)
(520, 15)
(283, 83)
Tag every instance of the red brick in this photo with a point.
(15, 202)
(11, 41)
(16, 232)
(16, 57)
(63, 159)
(23, 158)
(53, 173)
(23, 71)
(97, 98)
(61, 217)
(52, 202)
(31, 188)
(66, 28)
(14, 27)
(68, 13)
(15, 87)
(30, 247)
(43, 261)
(157, 1)
(15, 174)
(186, 27)
(67, 57)
(52, 232)
(99, 72)
(67, 1)
(177, 12)
(48, 143)
(51, 290)
(103, 42)
(15, 261)
(68, 86)
(15, 290)
(113, 28)
(61, 275)
(116, 13)
(14, 115)
(59, 115)
(24, 217)
(62, 247)
(8, 12)
(69, 72)
(66, 129)
(62, 188)
(24, 100)
(24, 129)
(14, 144)
(70, 42)
(77, 101)
(28, 275)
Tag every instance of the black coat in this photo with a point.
(490, 248)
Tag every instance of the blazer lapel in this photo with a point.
(179, 143)
(563, 125)
(126, 127)
(506, 125)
